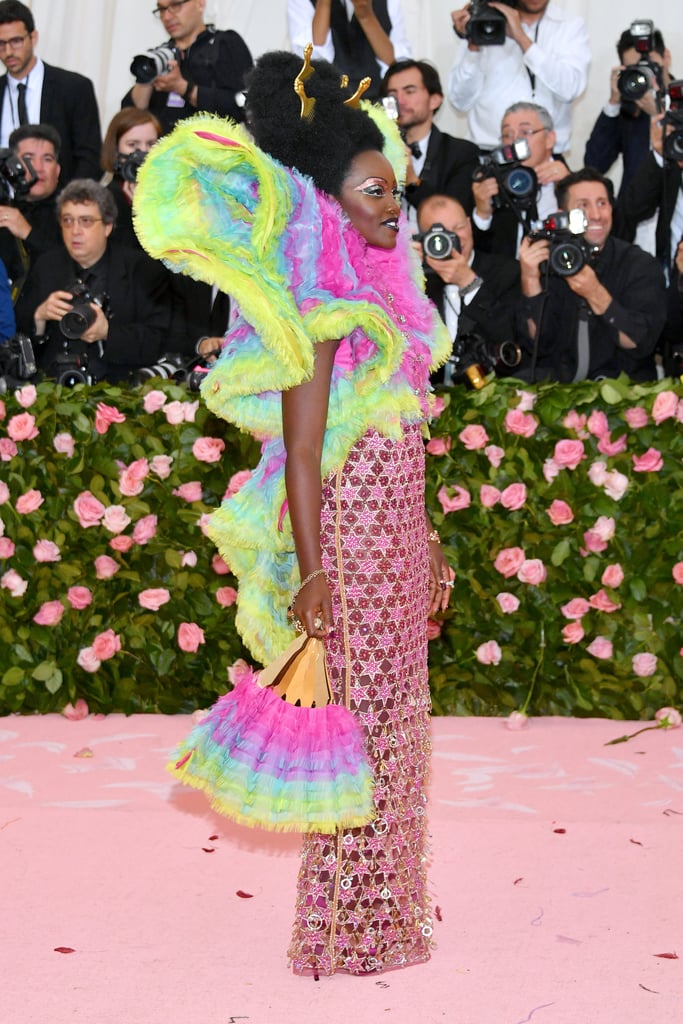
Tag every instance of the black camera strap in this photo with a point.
(532, 76)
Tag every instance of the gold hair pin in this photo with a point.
(307, 102)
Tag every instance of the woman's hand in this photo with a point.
(441, 579)
(312, 606)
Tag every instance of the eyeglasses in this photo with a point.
(173, 7)
(82, 222)
(14, 43)
(523, 133)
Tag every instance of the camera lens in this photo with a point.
(566, 259)
(520, 182)
(633, 83)
(76, 322)
(673, 146)
(438, 245)
(70, 378)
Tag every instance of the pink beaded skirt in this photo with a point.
(361, 903)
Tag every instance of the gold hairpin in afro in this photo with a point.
(308, 102)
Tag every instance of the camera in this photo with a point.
(517, 185)
(486, 25)
(673, 142)
(146, 66)
(637, 79)
(174, 366)
(69, 369)
(127, 165)
(569, 250)
(76, 322)
(16, 175)
(438, 242)
(473, 357)
(17, 362)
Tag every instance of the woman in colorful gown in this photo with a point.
(328, 365)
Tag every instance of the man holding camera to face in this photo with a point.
(520, 49)
(95, 310)
(198, 68)
(593, 306)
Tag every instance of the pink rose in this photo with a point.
(513, 497)
(601, 647)
(650, 462)
(29, 502)
(677, 572)
(664, 406)
(190, 636)
(488, 495)
(597, 423)
(532, 571)
(516, 720)
(240, 670)
(495, 454)
(153, 598)
(145, 529)
(8, 449)
(79, 597)
(509, 561)
(153, 401)
(105, 416)
(4, 492)
(636, 417)
(668, 718)
(219, 566)
(613, 576)
(508, 603)
(576, 608)
(130, 485)
(226, 596)
(644, 664)
(438, 445)
(26, 396)
(473, 437)
(122, 543)
(106, 645)
(13, 582)
(604, 527)
(115, 519)
(139, 469)
(49, 613)
(22, 427)
(190, 411)
(460, 499)
(433, 629)
(573, 633)
(105, 567)
(527, 400)
(64, 444)
(574, 421)
(603, 603)
(76, 712)
(520, 423)
(568, 454)
(203, 523)
(46, 551)
(616, 484)
(597, 474)
(174, 413)
(7, 547)
(606, 446)
(593, 543)
(438, 406)
(191, 491)
(559, 513)
(550, 470)
(488, 653)
(237, 481)
(208, 449)
(88, 509)
(161, 465)
(87, 659)
(188, 558)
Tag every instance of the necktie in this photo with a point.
(21, 103)
(414, 148)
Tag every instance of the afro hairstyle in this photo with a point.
(321, 146)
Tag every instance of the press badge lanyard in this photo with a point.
(532, 76)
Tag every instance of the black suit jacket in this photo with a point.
(68, 104)
(447, 169)
(652, 188)
(140, 311)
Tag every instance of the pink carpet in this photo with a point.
(556, 883)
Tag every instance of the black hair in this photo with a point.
(626, 41)
(321, 146)
(86, 190)
(430, 76)
(12, 10)
(35, 131)
(575, 178)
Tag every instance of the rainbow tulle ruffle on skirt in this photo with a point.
(274, 753)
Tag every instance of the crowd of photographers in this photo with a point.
(538, 271)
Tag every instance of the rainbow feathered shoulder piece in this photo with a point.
(211, 204)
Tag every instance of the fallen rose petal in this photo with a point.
(75, 712)
(244, 895)
(84, 752)
(64, 949)
(667, 956)
(209, 849)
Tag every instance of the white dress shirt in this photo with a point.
(300, 19)
(10, 112)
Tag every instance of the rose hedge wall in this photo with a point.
(561, 508)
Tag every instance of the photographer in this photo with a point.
(129, 138)
(623, 125)
(125, 294)
(501, 216)
(207, 72)
(476, 294)
(544, 59)
(28, 224)
(671, 341)
(597, 321)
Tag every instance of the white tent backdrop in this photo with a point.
(100, 37)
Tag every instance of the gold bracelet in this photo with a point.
(311, 576)
(434, 537)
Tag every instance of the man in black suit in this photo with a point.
(129, 307)
(476, 295)
(436, 162)
(33, 93)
